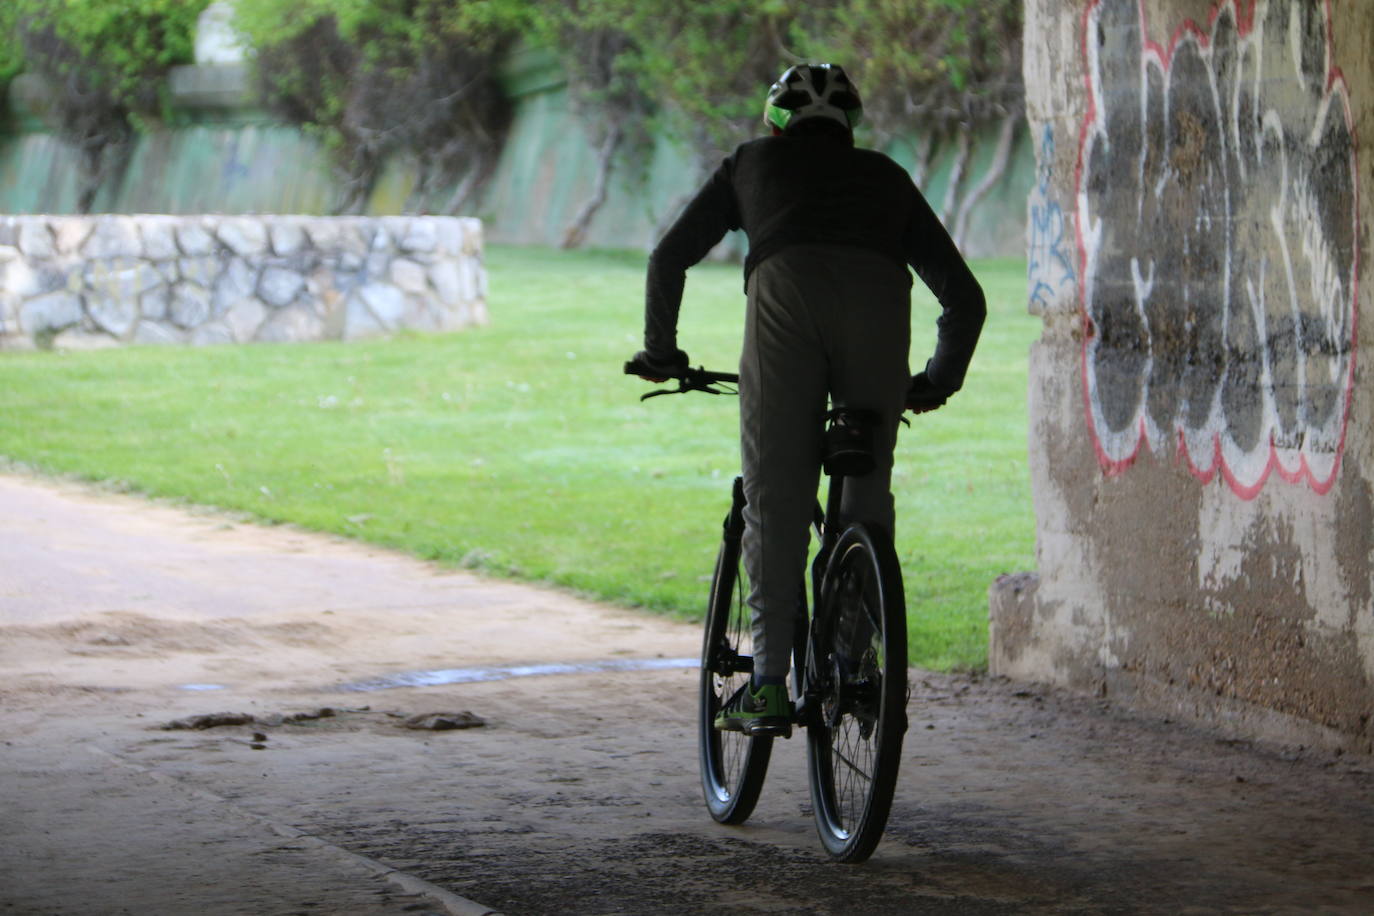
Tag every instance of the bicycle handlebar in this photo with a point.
(688, 379)
(702, 379)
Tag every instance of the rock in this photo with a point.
(451, 234)
(244, 318)
(443, 721)
(112, 313)
(211, 334)
(447, 281)
(421, 234)
(324, 712)
(386, 302)
(409, 276)
(471, 276)
(195, 240)
(422, 314)
(209, 720)
(35, 240)
(190, 305)
(19, 279)
(296, 322)
(159, 237)
(237, 281)
(71, 232)
(288, 238)
(77, 339)
(156, 302)
(359, 320)
(245, 236)
(200, 270)
(339, 234)
(385, 237)
(121, 277)
(152, 332)
(50, 312)
(113, 237)
(278, 286)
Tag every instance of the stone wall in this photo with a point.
(1202, 452)
(77, 281)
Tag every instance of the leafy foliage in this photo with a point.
(929, 64)
(376, 78)
(11, 49)
(940, 66)
(108, 63)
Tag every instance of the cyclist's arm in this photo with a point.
(936, 259)
(701, 226)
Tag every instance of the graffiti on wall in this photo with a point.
(1049, 262)
(1217, 235)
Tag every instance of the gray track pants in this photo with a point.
(822, 320)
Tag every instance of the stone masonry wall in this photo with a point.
(1202, 451)
(80, 281)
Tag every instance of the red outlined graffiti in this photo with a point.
(1217, 231)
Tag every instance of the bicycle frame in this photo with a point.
(849, 656)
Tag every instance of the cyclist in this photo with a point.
(832, 229)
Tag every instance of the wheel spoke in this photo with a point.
(733, 765)
(860, 648)
(854, 766)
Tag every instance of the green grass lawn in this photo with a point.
(521, 449)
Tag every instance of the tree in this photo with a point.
(604, 67)
(107, 64)
(374, 78)
(943, 70)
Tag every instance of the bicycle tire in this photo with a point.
(857, 690)
(733, 765)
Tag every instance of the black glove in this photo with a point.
(658, 367)
(924, 395)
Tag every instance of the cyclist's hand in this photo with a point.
(924, 395)
(657, 367)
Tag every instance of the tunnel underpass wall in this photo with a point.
(1200, 445)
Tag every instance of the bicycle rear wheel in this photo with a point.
(857, 689)
(733, 765)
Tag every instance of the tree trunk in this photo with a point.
(925, 151)
(956, 174)
(994, 174)
(576, 232)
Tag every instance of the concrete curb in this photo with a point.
(452, 903)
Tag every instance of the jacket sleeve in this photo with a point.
(935, 258)
(711, 213)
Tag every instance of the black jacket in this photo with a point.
(788, 190)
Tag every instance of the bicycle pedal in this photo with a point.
(770, 730)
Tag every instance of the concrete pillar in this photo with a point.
(1201, 435)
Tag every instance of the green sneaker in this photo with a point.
(766, 713)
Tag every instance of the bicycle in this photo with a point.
(849, 656)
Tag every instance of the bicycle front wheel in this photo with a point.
(857, 675)
(733, 765)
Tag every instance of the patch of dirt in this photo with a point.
(579, 792)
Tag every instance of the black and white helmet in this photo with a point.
(813, 91)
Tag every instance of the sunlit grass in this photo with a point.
(522, 450)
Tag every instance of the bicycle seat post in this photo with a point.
(849, 447)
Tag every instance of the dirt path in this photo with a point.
(579, 793)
